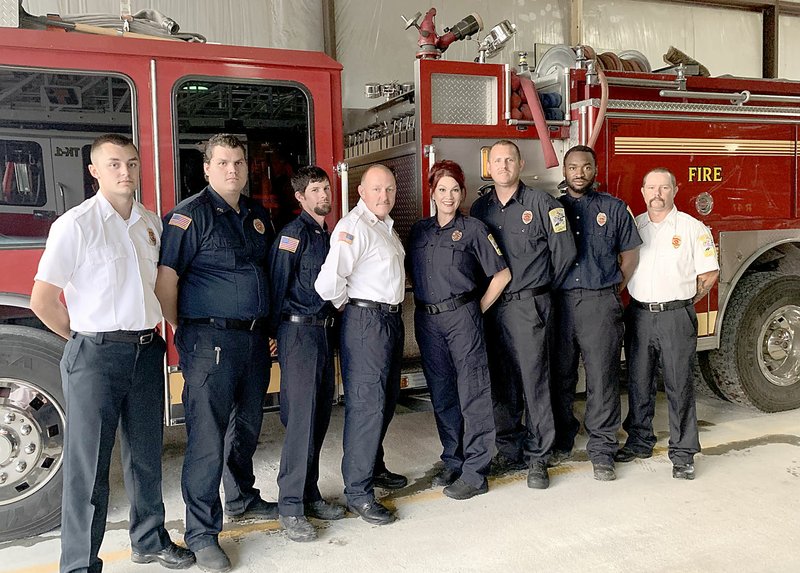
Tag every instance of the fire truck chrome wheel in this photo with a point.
(31, 440)
(32, 424)
(779, 351)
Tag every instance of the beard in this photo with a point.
(322, 210)
(582, 190)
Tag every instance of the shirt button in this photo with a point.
(500, 226)
(577, 232)
(578, 217)
(577, 264)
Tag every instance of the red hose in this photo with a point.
(550, 159)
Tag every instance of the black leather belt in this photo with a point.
(257, 324)
(447, 305)
(661, 306)
(391, 308)
(586, 291)
(526, 293)
(309, 320)
(128, 336)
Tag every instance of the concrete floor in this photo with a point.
(740, 514)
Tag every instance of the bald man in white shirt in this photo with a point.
(102, 255)
(677, 267)
(364, 276)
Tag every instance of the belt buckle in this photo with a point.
(146, 338)
(656, 307)
(431, 309)
(394, 308)
(328, 321)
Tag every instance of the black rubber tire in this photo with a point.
(734, 366)
(32, 356)
(704, 383)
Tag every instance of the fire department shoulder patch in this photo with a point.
(259, 226)
(457, 235)
(558, 219)
(527, 217)
(708, 245)
(494, 244)
(676, 241)
(151, 236)
(601, 219)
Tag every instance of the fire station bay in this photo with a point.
(365, 285)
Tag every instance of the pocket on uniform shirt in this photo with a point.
(103, 262)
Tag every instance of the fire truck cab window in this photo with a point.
(271, 118)
(48, 120)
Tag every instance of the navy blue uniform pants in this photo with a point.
(305, 355)
(109, 385)
(667, 339)
(589, 323)
(226, 374)
(371, 353)
(517, 339)
(456, 369)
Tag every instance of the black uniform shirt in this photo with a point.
(294, 263)
(533, 233)
(219, 255)
(603, 228)
(449, 261)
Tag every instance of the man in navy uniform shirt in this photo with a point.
(306, 340)
(533, 234)
(587, 313)
(212, 284)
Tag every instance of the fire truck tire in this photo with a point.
(704, 381)
(758, 361)
(31, 431)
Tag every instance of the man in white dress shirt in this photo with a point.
(364, 273)
(103, 254)
(677, 267)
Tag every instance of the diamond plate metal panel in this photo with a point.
(463, 100)
(9, 13)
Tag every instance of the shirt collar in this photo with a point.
(457, 221)
(671, 216)
(222, 206)
(107, 210)
(306, 218)
(514, 197)
(371, 217)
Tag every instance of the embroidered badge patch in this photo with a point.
(151, 236)
(259, 226)
(676, 241)
(494, 244)
(181, 221)
(346, 237)
(558, 219)
(457, 235)
(601, 219)
(288, 244)
(708, 245)
(527, 217)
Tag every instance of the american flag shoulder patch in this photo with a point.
(288, 244)
(181, 221)
(346, 237)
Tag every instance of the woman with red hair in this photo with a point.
(450, 258)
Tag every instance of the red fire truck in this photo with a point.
(731, 142)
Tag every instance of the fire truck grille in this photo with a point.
(464, 100)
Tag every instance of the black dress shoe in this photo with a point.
(683, 471)
(373, 512)
(444, 477)
(389, 480)
(538, 478)
(172, 557)
(212, 559)
(502, 465)
(460, 489)
(258, 509)
(625, 454)
(322, 509)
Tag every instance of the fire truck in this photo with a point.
(731, 142)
